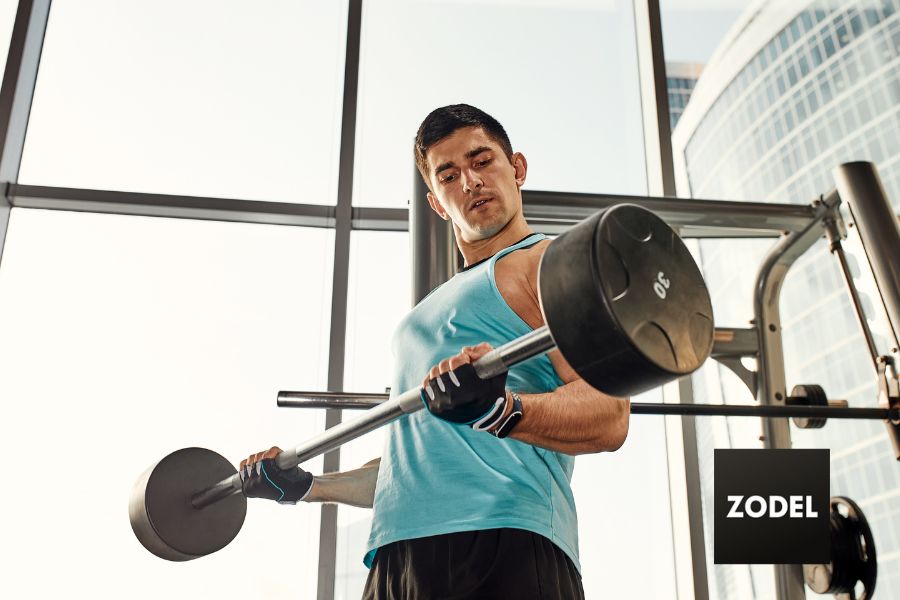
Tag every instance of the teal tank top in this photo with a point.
(437, 477)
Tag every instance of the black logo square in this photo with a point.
(771, 507)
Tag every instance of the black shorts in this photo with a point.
(494, 564)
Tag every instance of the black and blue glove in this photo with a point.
(461, 396)
(264, 479)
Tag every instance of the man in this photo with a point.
(471, 497)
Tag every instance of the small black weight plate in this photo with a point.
(808, 395)
(625, 301)
(165, 521)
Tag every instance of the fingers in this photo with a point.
(251, 462)
(467, 354)
(473, 353)
(448, 364)
(271, 452)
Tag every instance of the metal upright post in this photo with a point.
(432, 242)
(22, 63)
(693, 583)
(772, 386)
(860, 187)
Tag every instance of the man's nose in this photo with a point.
(471, 181)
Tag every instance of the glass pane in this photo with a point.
(783, 94)
(126, 338)
(207, 98)
(378, 297)
(561, 77)
(624, 522)
(731, 284)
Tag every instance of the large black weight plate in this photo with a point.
(625, 301)
(161, 513)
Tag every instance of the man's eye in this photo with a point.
(482, 163)
(448, 178)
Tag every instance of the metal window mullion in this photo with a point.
(145, 204)
(338, 332)
(19, 78)
(654, 99)
(661, 182)
(551, 212)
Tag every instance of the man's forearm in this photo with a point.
(356, 487)
(575, 419)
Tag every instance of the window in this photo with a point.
(379, 295)
(610, 505)
(126, 338)
(206, 98)
(579, 126)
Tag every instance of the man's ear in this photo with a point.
(521, 166)
(436, 207)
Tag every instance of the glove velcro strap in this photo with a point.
(492, 417)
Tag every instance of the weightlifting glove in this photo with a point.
(265, 479)
(461, 396)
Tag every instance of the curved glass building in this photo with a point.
(795, 89)
(680, 81)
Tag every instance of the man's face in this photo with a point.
(474, 184)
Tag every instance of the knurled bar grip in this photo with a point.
(495, 362)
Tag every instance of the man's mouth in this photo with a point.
(480, 202)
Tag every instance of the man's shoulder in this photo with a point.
(525, 260)
(517, 281)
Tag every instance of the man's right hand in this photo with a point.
(262, 478)
(453, 391)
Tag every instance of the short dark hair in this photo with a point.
(442, 122)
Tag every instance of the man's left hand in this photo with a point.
(454, 392)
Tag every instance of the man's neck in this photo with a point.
(479, 250)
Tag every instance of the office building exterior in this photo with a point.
(795, 89)
(680, 81)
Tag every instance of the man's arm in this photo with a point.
(574, 418)
(262, 478)
(356, 487)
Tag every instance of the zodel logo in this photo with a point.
(770, 506)
(800, 507)
(661, 285)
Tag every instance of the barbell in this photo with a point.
(622, 299)
(623, 302)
